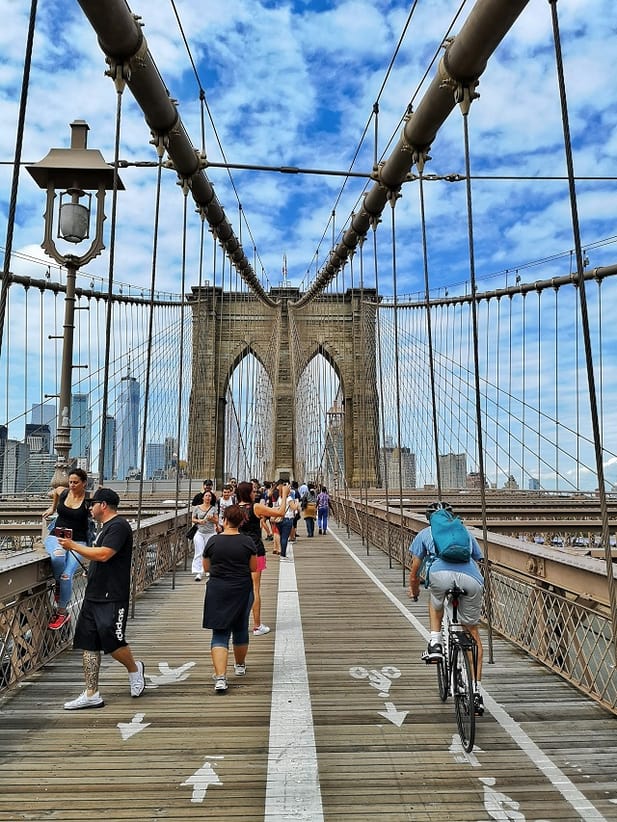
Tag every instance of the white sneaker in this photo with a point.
(260, 630)
(197, 577)
(240, 668)
(137, 680)
(85, 701)
(220, 685)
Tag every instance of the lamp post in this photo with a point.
(78, 170)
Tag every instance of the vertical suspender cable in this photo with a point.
(179, 532)
(393, 196)
(8, 246)
(381, 396)
(119, 82)
(157, 212)
(465, 96)
(556, 389)
(586, 333)
(364, 412)
(429, 327)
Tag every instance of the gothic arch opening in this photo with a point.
(320, 422)
(249, 420)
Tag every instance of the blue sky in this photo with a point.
(294, 84)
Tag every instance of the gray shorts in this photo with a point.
(470, 605)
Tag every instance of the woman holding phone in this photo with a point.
(72, 521)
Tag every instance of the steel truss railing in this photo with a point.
(555, 616)
(26, 643)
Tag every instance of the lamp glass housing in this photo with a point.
(74, 217)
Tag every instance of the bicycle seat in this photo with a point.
(455, 591)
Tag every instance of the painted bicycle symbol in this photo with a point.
(380, 680)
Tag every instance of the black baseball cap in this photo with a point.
(107, 495)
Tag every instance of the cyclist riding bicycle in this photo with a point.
(442, 576)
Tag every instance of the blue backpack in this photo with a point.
(452, 540)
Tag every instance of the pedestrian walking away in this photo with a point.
(101, 625)
(229, 558)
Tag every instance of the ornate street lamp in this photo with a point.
(78, 170)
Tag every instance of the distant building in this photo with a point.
(453, 471)
(171, 454)
(389, 465)
(155, 460)
(534, 484)
(109, 457)
(15, 469)
(45, 414)
(511, 484)
(127, 431)
(41, 468)
(3, 440)
(81, 428)
(334, 450)
(474, 481)
(38, 437)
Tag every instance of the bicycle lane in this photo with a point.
(383, 739)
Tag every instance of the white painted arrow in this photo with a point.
(201, 781)
(129, 729)
(170, 675)
(392, 715)
(461, 755)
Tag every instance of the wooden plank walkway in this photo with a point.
(369, 739)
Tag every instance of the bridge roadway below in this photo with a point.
(337, 718)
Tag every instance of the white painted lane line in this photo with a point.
(556, 777)
(292, 787)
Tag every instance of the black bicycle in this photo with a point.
(456, 670)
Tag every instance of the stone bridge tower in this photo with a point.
(228, 326)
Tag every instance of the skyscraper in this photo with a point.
(453, 470)
(389, 465)
(4, 435)
(45, 414)
(15, 474)
(81, 428)
(127, 431)
(109, 457)
(155, 460)
(38, 437)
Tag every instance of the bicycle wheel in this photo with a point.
(443, 675)
(463, 698)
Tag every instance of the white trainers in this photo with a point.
(197, 577)
(240, 668)
(137, 680)
(220, 685)
(260, 630)
(85, 701)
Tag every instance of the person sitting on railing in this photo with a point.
(73, 519)
(442, 575)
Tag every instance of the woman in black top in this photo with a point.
(73, 515)
(229, 558)
(252, 526)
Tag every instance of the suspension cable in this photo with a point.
(465, 95)
(119, 82)
(584, 315)
(25, 84)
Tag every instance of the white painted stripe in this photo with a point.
(292, 788)
(556, 777)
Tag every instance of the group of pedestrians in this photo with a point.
(230, 545)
